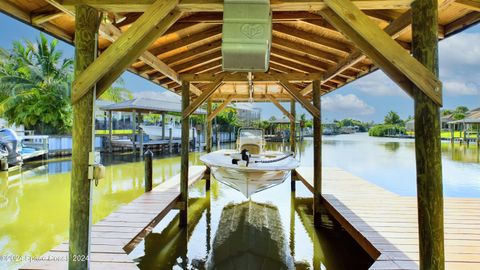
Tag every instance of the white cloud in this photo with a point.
(461, 50)
(454, 88)
(347, 104)
(378, 84)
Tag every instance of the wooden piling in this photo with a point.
(184, 156)
(292, 141)
(427, 140)
(87, 22)
(317, 155)
(134, 128)
(163, 125)
(293, 136)
(170, 140)
(110, 132)
(208, 138)
(148, 157)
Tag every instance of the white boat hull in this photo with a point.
(254, 178)
(249, 183)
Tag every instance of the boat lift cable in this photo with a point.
(274, 160)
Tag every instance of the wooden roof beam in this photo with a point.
(257, 77)
(188, 42)
(17, 12)
(459, 24)
(128, 47)
(321, 55)
(45, 14)
(315, 112)
(221, 107)
(469, 4)
(203, 97)
(148, 58)
(394, 29)
(217, 5)
(246, 97)
(280, 107)
(203, 60)
(342, 48)
(302, 59)
(397, 63)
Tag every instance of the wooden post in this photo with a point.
(140, 133)
(170, 140)
(194, 139)
(208, 138)
(292, 141)
(478, 135)
(163, 125)
(148, 170)
(110, 135)
(427, 140)
(184, 156)
(452, 133)
(134, 128)
(87, 22)
(317, 155)
(293, 138)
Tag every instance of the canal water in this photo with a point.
(225, 228)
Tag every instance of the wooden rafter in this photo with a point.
(217, 5)
(280, 107)
(257, 77)
(382, 49)
(470, 4)
(203, 97)
(113, 33)
(128, 47)
(329, 44)
(221, 107)
(298, 97)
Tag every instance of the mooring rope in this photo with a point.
(274, 160)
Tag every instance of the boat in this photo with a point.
(10, 148)
(250, 236)
(249, 168)
(155, 132)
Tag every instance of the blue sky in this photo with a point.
(367, 99)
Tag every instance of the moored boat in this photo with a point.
(250, 168)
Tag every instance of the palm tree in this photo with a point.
(117, 92)
(35, 86)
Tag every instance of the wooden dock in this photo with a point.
(385, 224)
(117, 235)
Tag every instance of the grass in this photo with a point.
(448, 134)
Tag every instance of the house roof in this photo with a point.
(147, 105)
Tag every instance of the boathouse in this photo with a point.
(316, 47)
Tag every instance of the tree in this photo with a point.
(393, 118)
(446, 112)
(35, 86)
(117, 92)
(461, 109)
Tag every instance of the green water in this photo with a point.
(34, 204)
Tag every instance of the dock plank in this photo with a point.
(385, 224)
(113, 237)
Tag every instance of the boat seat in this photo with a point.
(252, 148)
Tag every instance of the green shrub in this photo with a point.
(384, 130)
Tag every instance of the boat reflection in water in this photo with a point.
(250, 236)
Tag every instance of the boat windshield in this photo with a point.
(251, 133)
